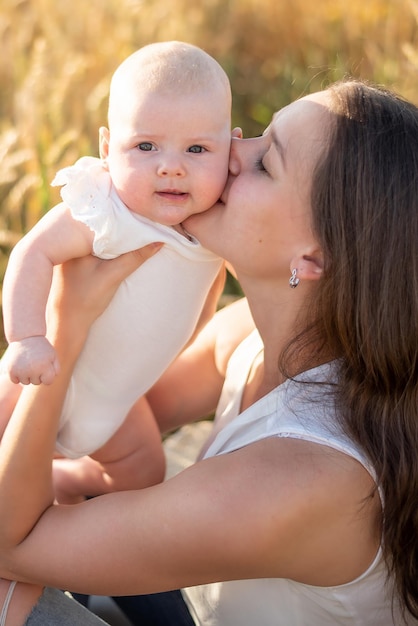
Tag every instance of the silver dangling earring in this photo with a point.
(294, 280)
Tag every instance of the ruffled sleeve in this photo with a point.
(86, 191)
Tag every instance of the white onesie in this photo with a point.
(150, 318)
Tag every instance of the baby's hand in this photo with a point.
(32, 360)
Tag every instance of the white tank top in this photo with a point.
(302, 412)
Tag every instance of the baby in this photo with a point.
(164, 156)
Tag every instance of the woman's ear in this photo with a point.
(309, 265)
(104, 136)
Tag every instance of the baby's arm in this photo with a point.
(56, 238)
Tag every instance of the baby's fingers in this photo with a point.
(48, 375)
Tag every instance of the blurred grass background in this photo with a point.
(57, 57)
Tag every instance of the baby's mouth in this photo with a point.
(172, 192)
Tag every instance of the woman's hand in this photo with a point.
(83, 288)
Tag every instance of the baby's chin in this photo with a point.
(169, 216)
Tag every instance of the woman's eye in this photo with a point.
(146, 146)
(260, 166)
(196, 149)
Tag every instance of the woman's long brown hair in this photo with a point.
(365, 217)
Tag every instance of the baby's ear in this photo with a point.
(104, 142)
(237, 133)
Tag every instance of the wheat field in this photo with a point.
(57, 58)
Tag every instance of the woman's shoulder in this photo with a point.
(306, 508)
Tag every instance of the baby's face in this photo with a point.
(168, 154)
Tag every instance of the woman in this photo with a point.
(317, 429)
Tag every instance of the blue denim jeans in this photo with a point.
(156, 609)
(55, 608)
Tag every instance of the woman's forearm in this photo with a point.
(28, 446)
(80, 292)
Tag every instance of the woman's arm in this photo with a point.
(28, 444)
(190, 388)
(279, 508)
(276, 508)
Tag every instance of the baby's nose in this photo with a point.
(171, 167)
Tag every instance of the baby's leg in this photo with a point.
(9, 395)
(132, 459)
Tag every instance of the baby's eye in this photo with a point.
(146, 146)
(196, 149)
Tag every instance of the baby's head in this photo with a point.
(172, 68)
(167, 146)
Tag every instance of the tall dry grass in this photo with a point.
(56, 59)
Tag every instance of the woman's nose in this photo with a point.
(244, 153)
(171, 167)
